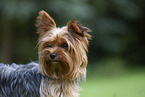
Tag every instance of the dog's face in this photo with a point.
(62, 51)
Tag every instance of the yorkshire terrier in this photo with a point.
(62, 63)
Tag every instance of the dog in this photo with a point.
(62, 63)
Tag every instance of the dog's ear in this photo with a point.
(75, 28)
(44, 22)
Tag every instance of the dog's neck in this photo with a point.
(59, 88)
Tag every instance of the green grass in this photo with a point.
(126, 85)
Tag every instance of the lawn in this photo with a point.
(126, 85)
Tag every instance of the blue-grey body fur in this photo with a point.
(20, 80)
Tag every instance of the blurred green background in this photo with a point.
(117, 50)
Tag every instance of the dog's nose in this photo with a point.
(52, 56)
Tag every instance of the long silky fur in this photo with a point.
(19, 80)
(73, 61)
(66, 86)
(59, 88)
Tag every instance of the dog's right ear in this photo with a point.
(44, 22)
(78, 29)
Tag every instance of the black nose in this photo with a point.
(52, 56)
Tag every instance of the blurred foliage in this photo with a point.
(109, 67)
(117, 27)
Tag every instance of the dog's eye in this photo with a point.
(64, 45)
(48, 45)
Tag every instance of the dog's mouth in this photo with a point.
(54, 61)
(58, 68)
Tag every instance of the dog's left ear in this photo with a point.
(44, 22)
(75, 28)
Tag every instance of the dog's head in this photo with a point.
(62, 51)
